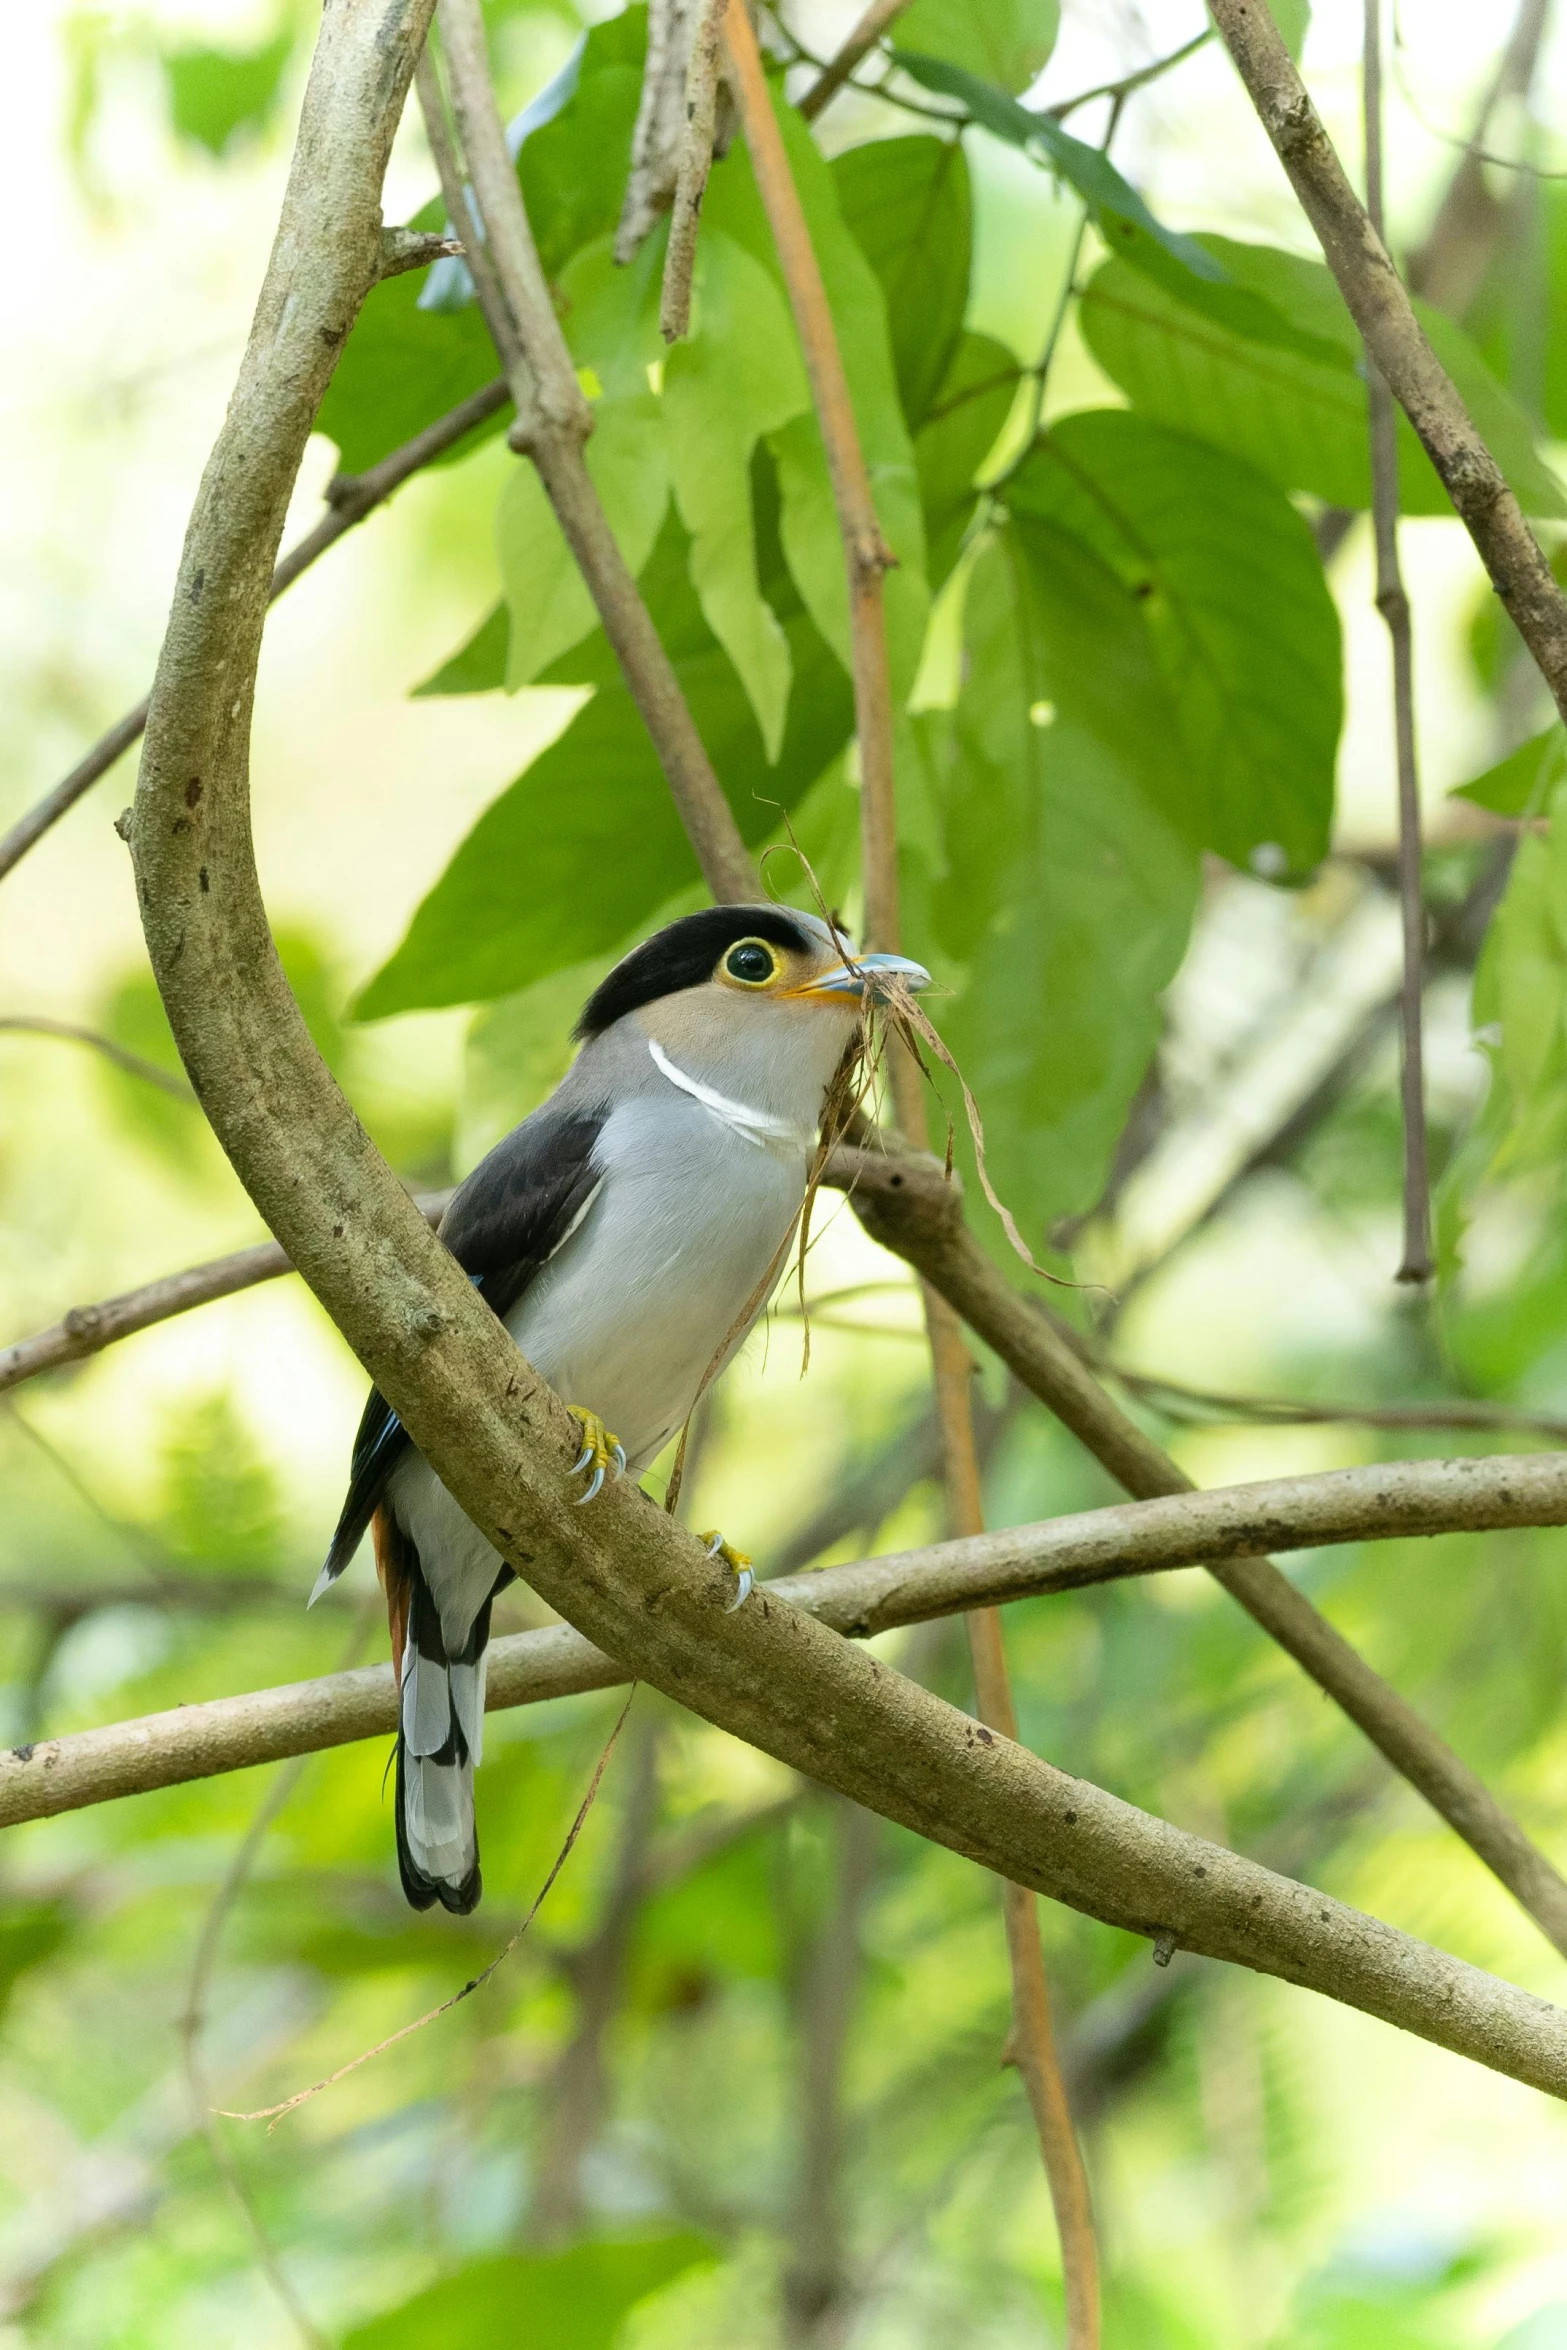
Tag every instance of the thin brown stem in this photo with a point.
(865, 550)
(349, 499)
(1393, 604)
(866, 558)
(1395, 340)
(696, 161)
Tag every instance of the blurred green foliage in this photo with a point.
(1120, 670)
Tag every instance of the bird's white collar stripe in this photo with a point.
(755, 1126)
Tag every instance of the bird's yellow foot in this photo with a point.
(599, 1448)
(718, 1548)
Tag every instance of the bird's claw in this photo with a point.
(745, 1580)
(599, 1448)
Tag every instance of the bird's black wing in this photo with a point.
(506, 1220)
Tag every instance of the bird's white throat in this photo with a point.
(760, 1127)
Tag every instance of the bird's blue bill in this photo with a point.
(862, 975)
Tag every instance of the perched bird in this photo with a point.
(628, 1234)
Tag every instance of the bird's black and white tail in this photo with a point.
(440, 1736)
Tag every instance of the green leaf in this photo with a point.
(1068, 895)
(1112, 199)
(1291, 402)
(548, 599)
(477, 667)
(1239, 614)
(736, 377)
(575, 2300)
(1293, 18)
(216, 93)
(1007, 42)
(586, 845)
(957, 436)
(1520, 784)
(908, 205)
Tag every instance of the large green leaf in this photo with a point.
(957, 436)
(737, 376)
(1007, 42)
(1238, 612)
(574, 2300)
(1060, 900)
(403, 366)
(586, 844)
(1292, 402)
(908, 204)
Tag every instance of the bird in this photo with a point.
(628, 1233)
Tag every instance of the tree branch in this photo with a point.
(349, 498)
(1393, 604)
(1394, 339)
(906, 1201)
(133, 1064)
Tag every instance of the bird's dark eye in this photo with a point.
(752, 962)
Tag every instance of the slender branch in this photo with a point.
(1393, 604)
(909, 1204)
(350, 498)
(696, 161)
(553, 421)
(1123, 89)
(878, 16)
(1291, 1411)
(1381, 309)
(632, 1581)
(20, 1024)
(1449, 267)
(87, 1330)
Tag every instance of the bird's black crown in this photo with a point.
(683, 955)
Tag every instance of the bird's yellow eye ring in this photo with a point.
(752, 962)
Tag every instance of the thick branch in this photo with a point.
(700, 113)
(905, 1201)
(349, 498)
(553, 421)
(1393, 337)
